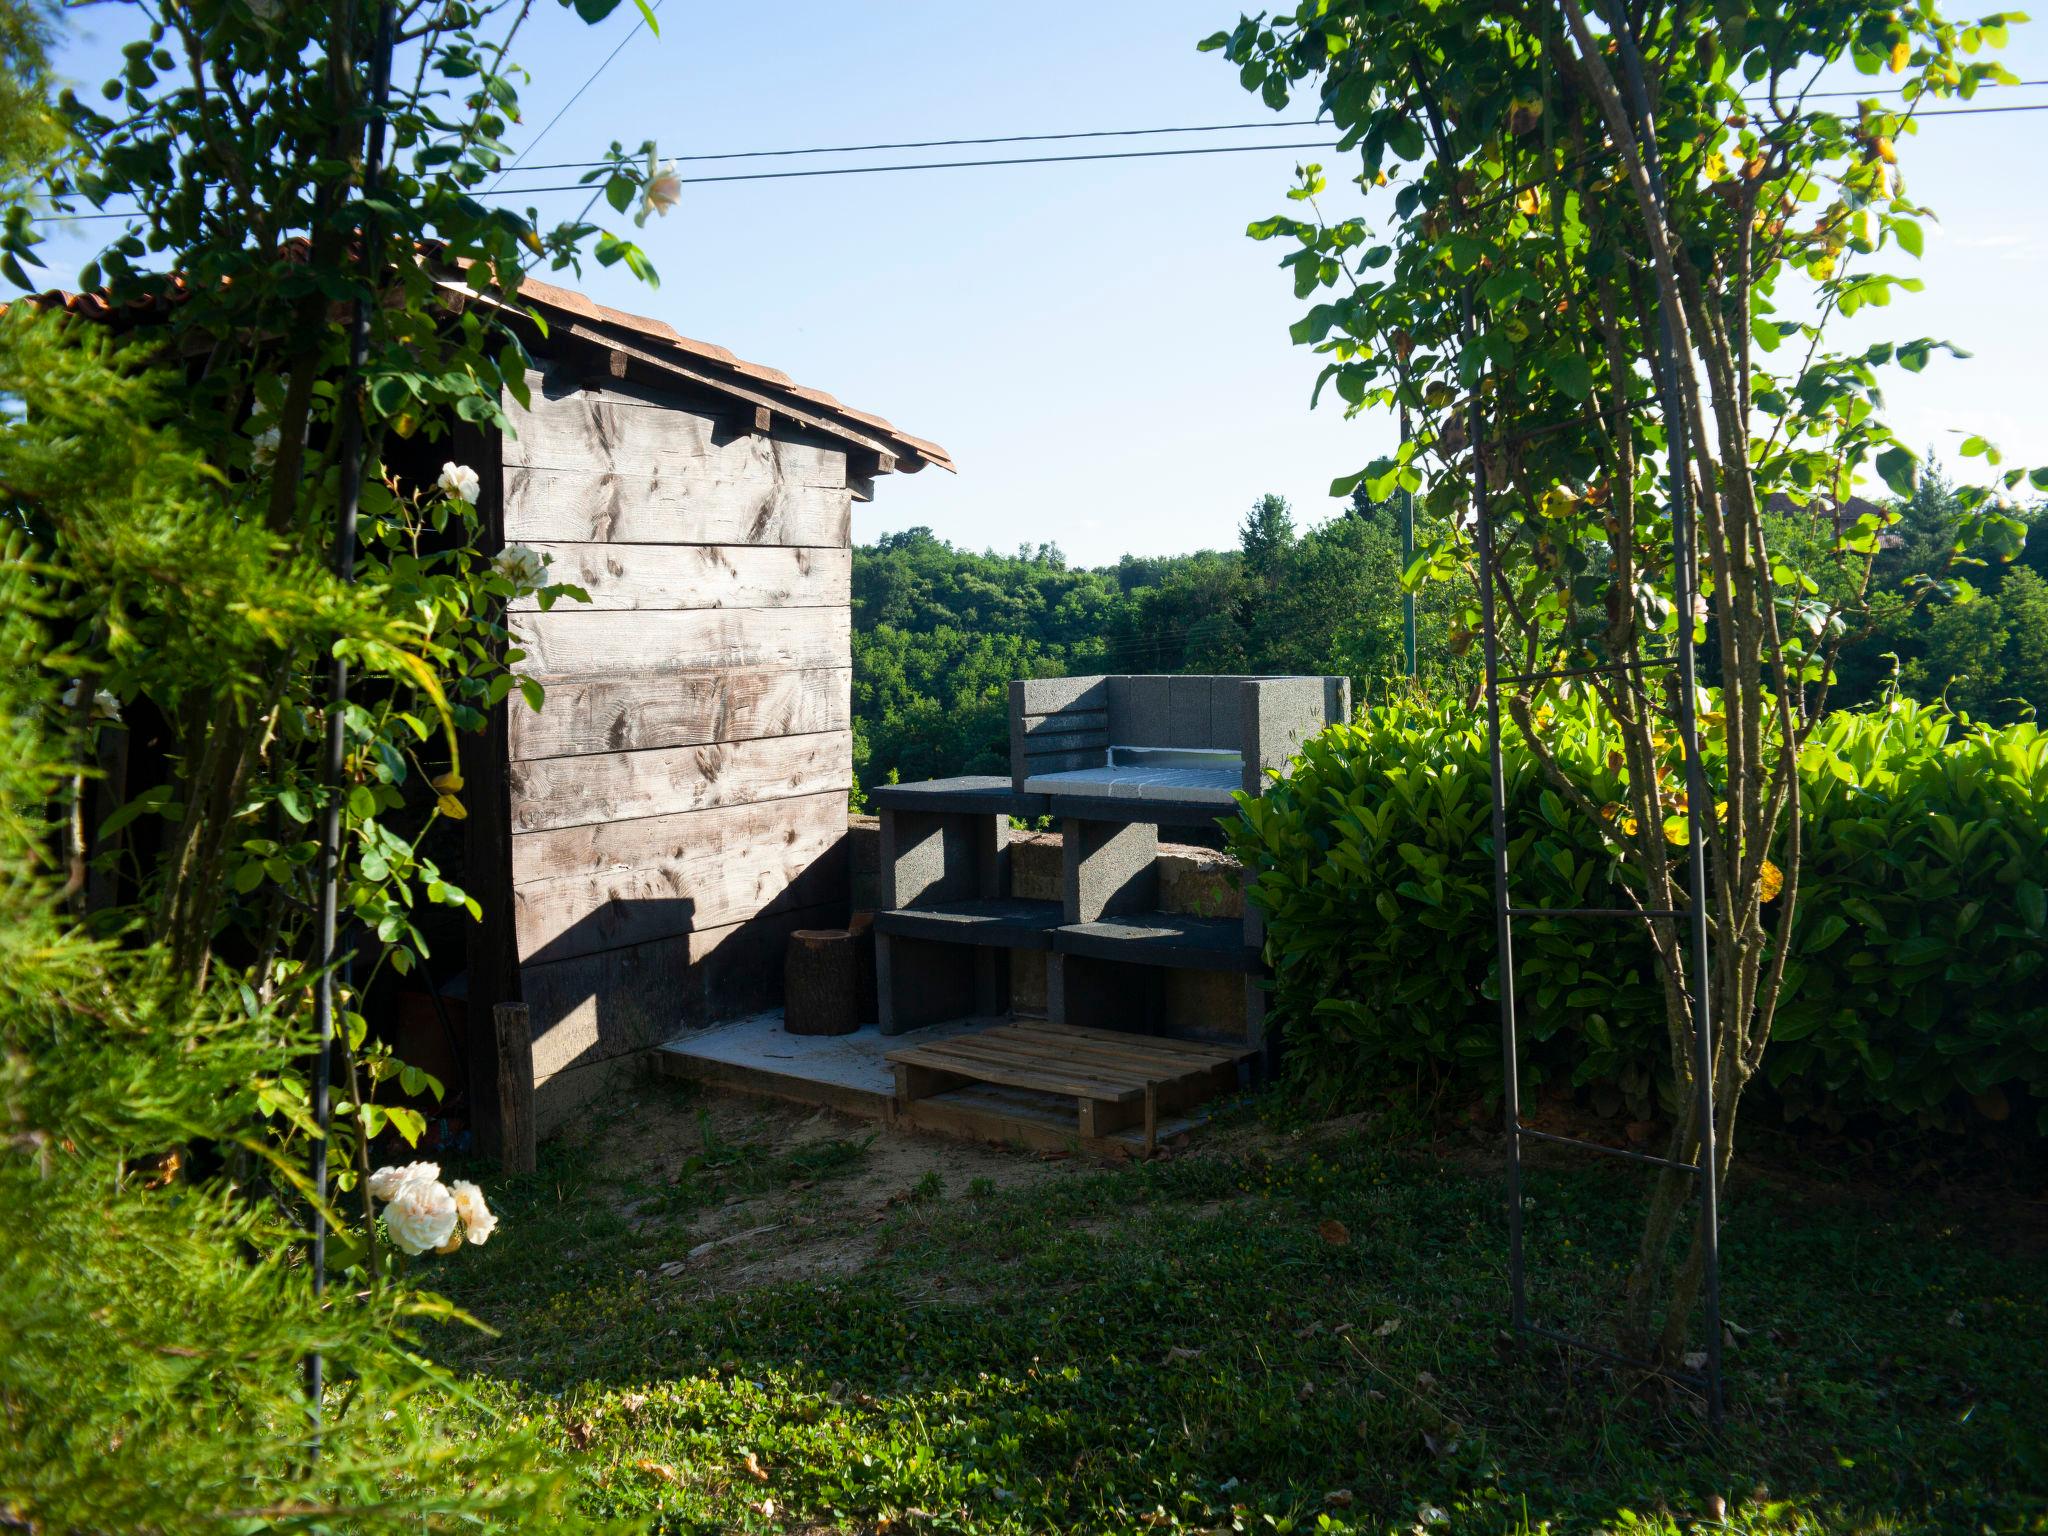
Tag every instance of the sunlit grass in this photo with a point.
(1303, 1337)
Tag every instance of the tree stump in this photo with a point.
(821, 982)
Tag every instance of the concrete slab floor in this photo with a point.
(852, 1062)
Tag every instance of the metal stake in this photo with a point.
(351, 487)
(1407, 559)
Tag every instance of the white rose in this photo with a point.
(420, 1216)
(459, 481)
(385, 1183)
(104, 705)
(263, 447)
(525, 568)
(663, 191)
(477, 1221)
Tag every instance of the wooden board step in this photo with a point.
(1114, 1079)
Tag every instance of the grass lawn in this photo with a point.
(1273, 1331)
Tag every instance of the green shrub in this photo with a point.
(1915, 985)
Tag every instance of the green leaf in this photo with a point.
(2033, 905)
(1404, 138)
(1570, 373)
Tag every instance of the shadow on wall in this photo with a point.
(595, 1009)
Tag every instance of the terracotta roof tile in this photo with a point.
(912, 453)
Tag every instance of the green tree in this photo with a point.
(1265, 536)
(1579, 191)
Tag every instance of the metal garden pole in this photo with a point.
(1504, 923)
(1407, 559)
(351, 485)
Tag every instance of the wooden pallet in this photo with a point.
(1116, 1080)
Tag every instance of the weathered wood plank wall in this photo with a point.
(679, 804)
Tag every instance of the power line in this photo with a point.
(952, 165)
(1094, 133)
(1127, 154)
(561, 111)
(942, 165)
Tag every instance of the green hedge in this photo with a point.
(1917, 985)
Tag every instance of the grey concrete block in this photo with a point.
(1226, 711)
(864, 847)
(1055, 695)
(1102, 994)
(1284, 712)
(919, 983)
(934, 856)
(1037, 705)
(1139, 712)
(1188, 711)
(1110, 867)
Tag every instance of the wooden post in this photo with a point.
(515, 1087)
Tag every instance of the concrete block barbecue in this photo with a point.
(1187, 742)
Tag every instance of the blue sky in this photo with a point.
(1099, 345)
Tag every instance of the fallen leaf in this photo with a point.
(1387, 1329)
(1308, 1390)
(1425, 1381)
(661, 1471)
(1334, 1232)
(1717, 1508)
(1308, 1332)
(755, 1470)
(633, 1402)
(581, 1434)
(1338, 1498)
(1179, 1353)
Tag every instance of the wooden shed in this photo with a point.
(679, 805)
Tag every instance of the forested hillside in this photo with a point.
(939, 632)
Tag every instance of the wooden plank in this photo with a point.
(602, 1006)
(567, 643)
(1160, 1065)
(685, 709)
(710, 503)
(492, 951)
(992, 1066)
(654, 360)
(663, 576)
(515, 1088)
(583, 889)
(988, 1113)
(1165, 1044)
(1063, 1068)
(593, 431)
(621, 786)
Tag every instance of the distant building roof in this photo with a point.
(1846, 513)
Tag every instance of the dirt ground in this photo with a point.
(774, 1223)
